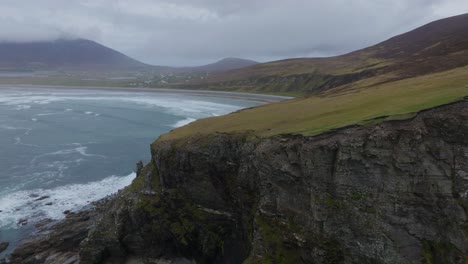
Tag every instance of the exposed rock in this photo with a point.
(4, 246)
(22, 222)
(396, 192)
(58, 243)
(139, 167)
(42, 198)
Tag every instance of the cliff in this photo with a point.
(394, 192)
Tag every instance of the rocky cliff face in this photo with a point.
(395, 192)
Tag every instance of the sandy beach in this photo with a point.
(233, 95)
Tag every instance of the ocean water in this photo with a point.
(62, 149)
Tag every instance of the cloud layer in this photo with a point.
(190, 32)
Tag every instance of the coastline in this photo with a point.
(265, 98)
(47, 224)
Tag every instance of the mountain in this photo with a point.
(221, 66)
(77, 54)
(82, 54)
(439, 46)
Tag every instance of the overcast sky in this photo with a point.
(192, 32)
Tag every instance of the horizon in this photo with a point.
(184, 33)
(217, 60)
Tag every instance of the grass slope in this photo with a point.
(336, 108)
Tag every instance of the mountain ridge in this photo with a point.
(84, 54)
(438, 46)
(226, 64)
(63, 54)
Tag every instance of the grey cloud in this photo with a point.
(188, 32)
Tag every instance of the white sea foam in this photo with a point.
(183, 122)
(25, 204)
(45, 114)
(23, 107)
(92, 113)
(18, 139)
(78, 150)
(6, 127)
(187, 107)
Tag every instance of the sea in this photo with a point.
(61, 149)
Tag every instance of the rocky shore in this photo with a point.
(395, 192)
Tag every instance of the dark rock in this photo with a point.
(4, 246)
(22, 222)
(42, 198)
(66, 212)
(43, 224)
(139, 168)
(58, 243)
(49, 204)
(389, 193)
(83, 218)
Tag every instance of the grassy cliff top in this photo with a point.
(362, 103)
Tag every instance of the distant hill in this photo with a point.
(439, 46)
(221, 66)
(63, 54)
(82, 54)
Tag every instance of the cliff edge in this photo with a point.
(394, 192)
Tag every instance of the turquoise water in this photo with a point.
(77, 146)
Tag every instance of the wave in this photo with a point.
(183, 122)
(46, 114)
(22, 107)
(186, 106)
(78, 150)
(39, 204)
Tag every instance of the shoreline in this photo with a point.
(89, 207)
(265, 98)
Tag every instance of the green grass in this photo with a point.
(335, 109)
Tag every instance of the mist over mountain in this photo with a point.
(84, 55)
(221, 66)
(78, 54)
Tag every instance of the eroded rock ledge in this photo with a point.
(396, 192)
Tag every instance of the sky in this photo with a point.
(196, 32)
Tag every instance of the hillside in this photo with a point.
(221, 66)
(78, 54)
(335, 109)
(439, 46)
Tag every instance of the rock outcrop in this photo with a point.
(395, 192)
(4, 246)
